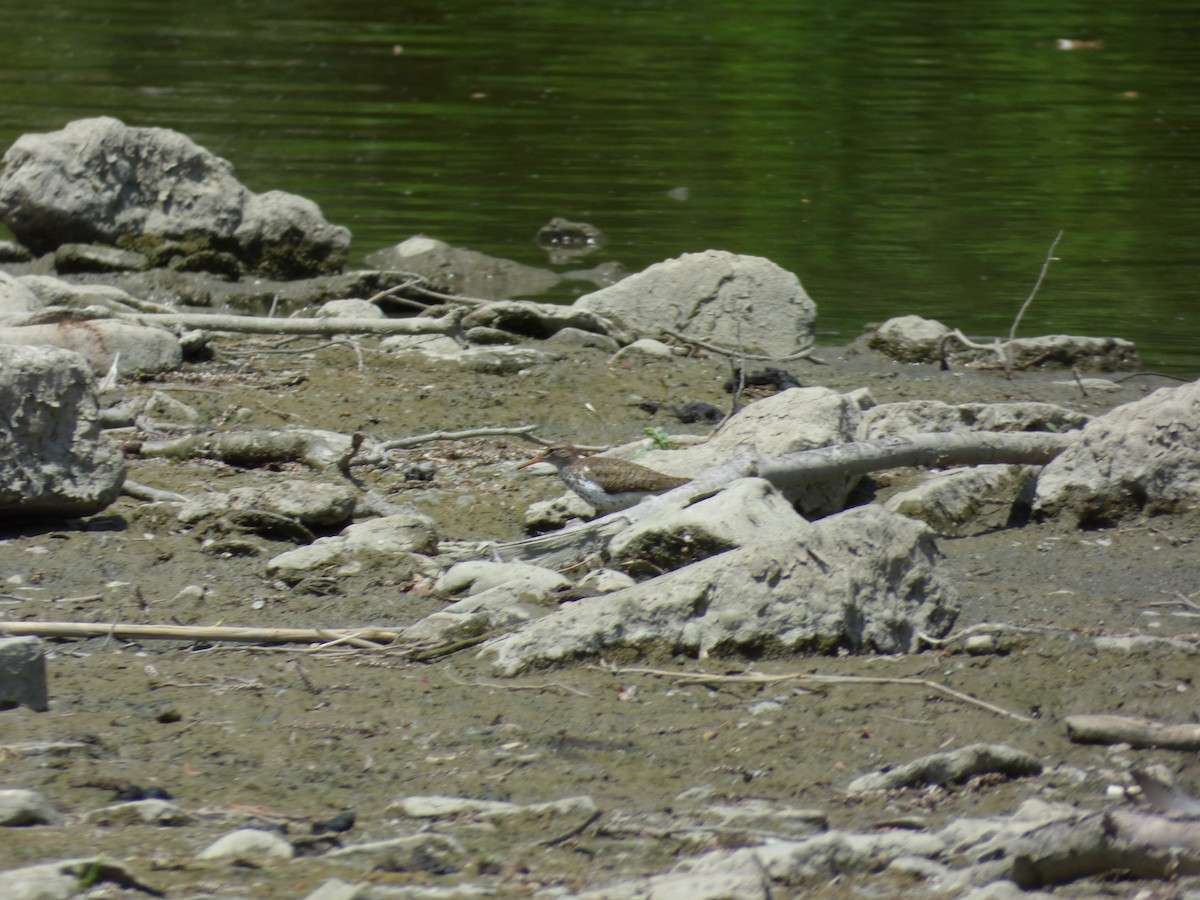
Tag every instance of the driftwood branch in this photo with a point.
(1137, 732)
(794, 470)
(360, 636)
(326, 327)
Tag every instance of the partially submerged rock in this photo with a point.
(1142, 457)
(54, 460)
(745, 303)
(453, 270)
(914, 339)
(99, 181)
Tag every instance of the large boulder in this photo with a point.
(1142, 457)
(155, 190)
(864, 580)
(102, 342)
(745, 303)
(54, 461)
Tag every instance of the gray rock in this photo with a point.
(1068, 351)
(951, 768)
(53, 459)
(12, 252)
(925, 416)
(313, 503)
(863, 580)
(19, 807)
(744, 303)
(56, 292)
(1142, 457)
(433, 346)
(568, 340)
(68, 878)
(138, 812)
(135, 348)
(531, 821)
(788, 422)
(17, 301)
(74, 258)
(455, 271)
(949, 501)
(23, 673)
(744, 513)
(476, 576)
(248, 846)
(386, 541)
(406, 854)
(350, 309)
(491, 610)
(535, 320)
(605, 581)
(646, 347)
(909, 339)
(100, 181)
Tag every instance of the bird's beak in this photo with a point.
(533, 462)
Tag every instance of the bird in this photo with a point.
(605, 484)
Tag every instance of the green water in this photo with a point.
(903, 157)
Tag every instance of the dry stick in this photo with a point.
(491, 431)
(794, 470)
(326, 327)
(756, 678)
(368, 637)
(1132, 730)
(1012, 332)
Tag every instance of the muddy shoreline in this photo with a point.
(286, 736)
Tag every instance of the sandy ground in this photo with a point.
(290, 735)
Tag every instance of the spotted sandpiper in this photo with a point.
(605, 484)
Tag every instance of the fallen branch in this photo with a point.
(327, 327)
(1137, 732)
(795, 470)
(490, 431)
(363, 637)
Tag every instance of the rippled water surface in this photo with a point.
(901, 157)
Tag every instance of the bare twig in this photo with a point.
(524, 431)
(1012, 332)
(758, 678)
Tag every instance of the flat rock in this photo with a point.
(925, 416)
(476, 576)
(456, 271)
(952, 767)
(313, 503)
(249, 846)
(384, 541)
